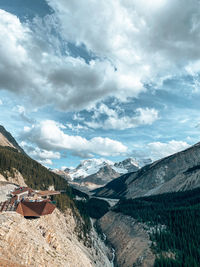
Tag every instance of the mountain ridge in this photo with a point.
(52, 241)
(92, 173)
(6, 139)
(177, 172)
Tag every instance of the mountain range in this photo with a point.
(64, 238)
(93, 173)
(156, 222)
(178, 172)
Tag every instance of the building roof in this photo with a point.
(34, 209)
(48, 193)
(21, 190)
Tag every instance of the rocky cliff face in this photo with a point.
(48, 241)
(15, 177)
(180, 171)
(130, 240)
(54, 240)
(6, 139)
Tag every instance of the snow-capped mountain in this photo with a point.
(127, 165)
(87, 167)
(92, 173)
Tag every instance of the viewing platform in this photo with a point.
(29, 202)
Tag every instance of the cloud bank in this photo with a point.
(134, 42)
(160, 149)
(145, 40)
(49, 136)
(141, 116)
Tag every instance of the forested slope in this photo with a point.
(178, 172)
(173, 221)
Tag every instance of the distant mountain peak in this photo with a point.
(177, 172)
(129, 164)
(95, 172)
(87, 167)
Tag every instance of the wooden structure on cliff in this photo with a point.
(35, 209)
(29, 202)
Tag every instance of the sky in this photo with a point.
(111, 79)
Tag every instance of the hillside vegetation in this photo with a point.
(38, 177)
(173, 221)
(35, 175)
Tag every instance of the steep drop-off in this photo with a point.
(48, 241)
(64, 238)
(129, 238)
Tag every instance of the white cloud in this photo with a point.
(1, 102)
(30, 67)
(66, 82)
(145, 40)
(63, 168)
(146, 116)
(159, 150)
(21, 109)
(76, 128)
(135, 43)
(142, 116)
(49, 136)
(44, 154)
(45, 162)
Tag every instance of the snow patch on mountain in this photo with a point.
(93, 173)
(92, 166)
(88, 167)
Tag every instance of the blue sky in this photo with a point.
(83, 79)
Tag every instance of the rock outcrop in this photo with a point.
(15, 177)
(6, 139)
(129, 239)
(48, 241)
(5, 189)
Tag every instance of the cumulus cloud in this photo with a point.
(43, 156)
(145, 40)
(28, 68)
(142, 116)
(159, 150)
(48, 135)
(133, 43)
(45, 162)
(76, 128)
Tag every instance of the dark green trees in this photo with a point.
(174, 223)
